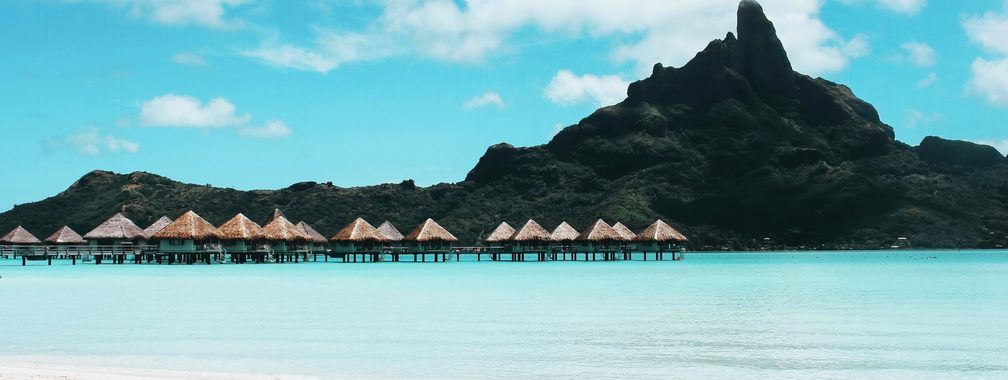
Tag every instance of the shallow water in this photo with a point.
(893, 314)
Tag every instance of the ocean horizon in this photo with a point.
(862, 314)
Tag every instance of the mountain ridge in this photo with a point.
(732, 148)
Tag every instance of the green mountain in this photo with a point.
(733, 148)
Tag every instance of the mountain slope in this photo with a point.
(733, 147)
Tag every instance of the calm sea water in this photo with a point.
(770, 315)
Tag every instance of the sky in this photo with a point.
(261, 94)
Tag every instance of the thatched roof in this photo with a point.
(65, 235)
(503, 232)
(19, 235)
(660, 231)
(118, 227)
(600, 231)
(390, 232)
(189, 226)
(158, 225)
(564, 232)
(625, 232)
(531, 231)
(281, 229)
(357, 231)
(240, 227)
(429, 230)
(313, 236)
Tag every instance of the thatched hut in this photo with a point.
(429, 236)
(530, 238)
(659, 237)
(282, 235)
(316, 242)
(391, 233)
(65, 236)
(152, 229)
(240, 234)
(563, 236)
(188, 233)
(500, 235)
(65, 242)
(117, 233)
(599, 237)
(19, 242)
(626, 233)
(358, 236)
(19, 236)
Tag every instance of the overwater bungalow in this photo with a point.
(282, 235)
(563, 237)
(20, 242)
(116, 236)
(241, 235)
(152, 229)
(316, 242)
(21, 238)
(530, 238)
(429, 236)
(188, 233)
(392, 235)
(358, 236)
(65, 242)
(599, 237)
(659, 237)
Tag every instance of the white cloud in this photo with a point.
(653, 31)
(899, 6)
(92, 142)
(928, 80)
(566, 88)
(206, 13)
(1000, 145)
(331, 50)
(273, 129)
(187, 58)
(171, 110)
(989, 30)
(990, 80)
(857, 47)
(903, 6)
(917, 118)
(990, 75)
(487, 99)
(919, 54)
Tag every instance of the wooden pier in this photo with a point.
(151, 255)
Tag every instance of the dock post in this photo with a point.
(73, 260)
(24, 261)
(50, 259)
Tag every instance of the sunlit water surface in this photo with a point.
(897, 314)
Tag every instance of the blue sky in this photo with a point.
(259, 94)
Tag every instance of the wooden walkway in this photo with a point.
(150, 255)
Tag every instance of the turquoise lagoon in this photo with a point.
(890, 314)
